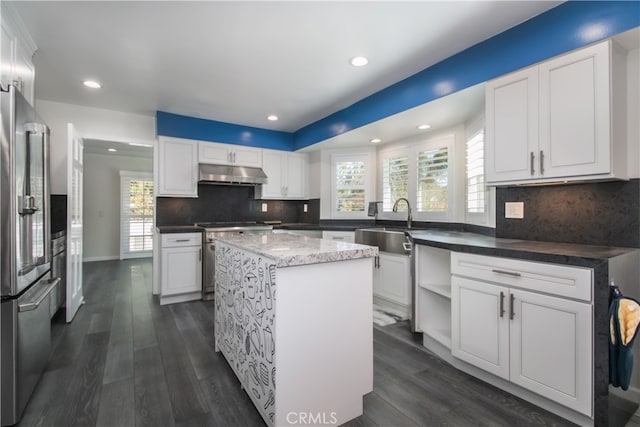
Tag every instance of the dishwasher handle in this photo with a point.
(35, 298)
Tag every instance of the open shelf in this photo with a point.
(435, 316)
(440, 289)
(443, 336)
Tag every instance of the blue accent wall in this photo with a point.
(169, 124)
(568, 26)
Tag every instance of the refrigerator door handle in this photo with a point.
(39, 295)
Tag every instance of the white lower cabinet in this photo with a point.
(391, 278)
(541, 342)
(180, 267)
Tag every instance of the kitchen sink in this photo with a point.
(385, 239)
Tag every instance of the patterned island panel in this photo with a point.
(245, 321)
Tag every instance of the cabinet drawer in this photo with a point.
(173, 240)
(554, 279)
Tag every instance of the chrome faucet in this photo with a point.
(395, 209)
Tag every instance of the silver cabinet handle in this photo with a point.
(541, 162)
(508, 273)
(533, 157)
(511, 304)
(501, 304)
(181, 240)
(406, 246)
(200, 254)
(337, 238)
(42, 294)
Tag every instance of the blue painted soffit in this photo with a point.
(568, 26)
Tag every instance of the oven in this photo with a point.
(215, 230)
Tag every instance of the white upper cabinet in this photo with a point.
(176, 167)
(554, 121)
(286, 174)
(228, 154)
(17, 49)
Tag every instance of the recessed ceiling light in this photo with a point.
(113, 150)
(92, 84)
(423, 127)
(359, 61)
(376, 140)
(272, 118)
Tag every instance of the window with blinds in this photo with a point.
(433, 180)
(350, 185)
(136, 214)
(395, 180)
(475, 173)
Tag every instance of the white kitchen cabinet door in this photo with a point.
(551, 350)
(181, 270)
(296, 175)
(273, 167)
(575, 114)
(229, 154)
(177, 164)
(286, 174)
(393, 277)
(213, 153)
(480, 325)
(17, 51)
(512, 126)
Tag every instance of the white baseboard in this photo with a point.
(100, 258)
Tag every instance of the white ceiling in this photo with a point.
(239, 61)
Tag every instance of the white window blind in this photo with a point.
(433, 180)
(475, 173)
(136, 214)
(350, 185)
(395, 180)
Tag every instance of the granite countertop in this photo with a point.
(290, 250)
(460, 241)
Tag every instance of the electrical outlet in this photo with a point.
(514, 210)
(305, 208)
(264, 207)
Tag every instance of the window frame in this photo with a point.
(448, 140)
(125, 177)
(472, 128)
(344, 157)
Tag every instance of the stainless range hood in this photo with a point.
(225, 174)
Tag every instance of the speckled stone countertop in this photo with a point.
(459, 241)
(289, 250)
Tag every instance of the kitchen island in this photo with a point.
(293, 318)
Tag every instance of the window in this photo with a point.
(433, 180)
(136, 214)
(350, 185)
(475, 173)
(395, 180)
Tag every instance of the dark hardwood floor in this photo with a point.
(127, 361)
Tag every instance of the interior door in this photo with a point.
(75, 148)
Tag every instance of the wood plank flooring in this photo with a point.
(127, 361)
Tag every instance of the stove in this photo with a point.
(221, 229)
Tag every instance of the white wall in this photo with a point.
(102, 202)
(91, 123)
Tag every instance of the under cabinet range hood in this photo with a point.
(225, 174)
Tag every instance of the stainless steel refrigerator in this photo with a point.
(25, 257)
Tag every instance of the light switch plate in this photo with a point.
(305, 208)
(264, 207)
(514, 210)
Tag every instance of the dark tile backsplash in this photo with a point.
(606, 213)
(232, 203)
